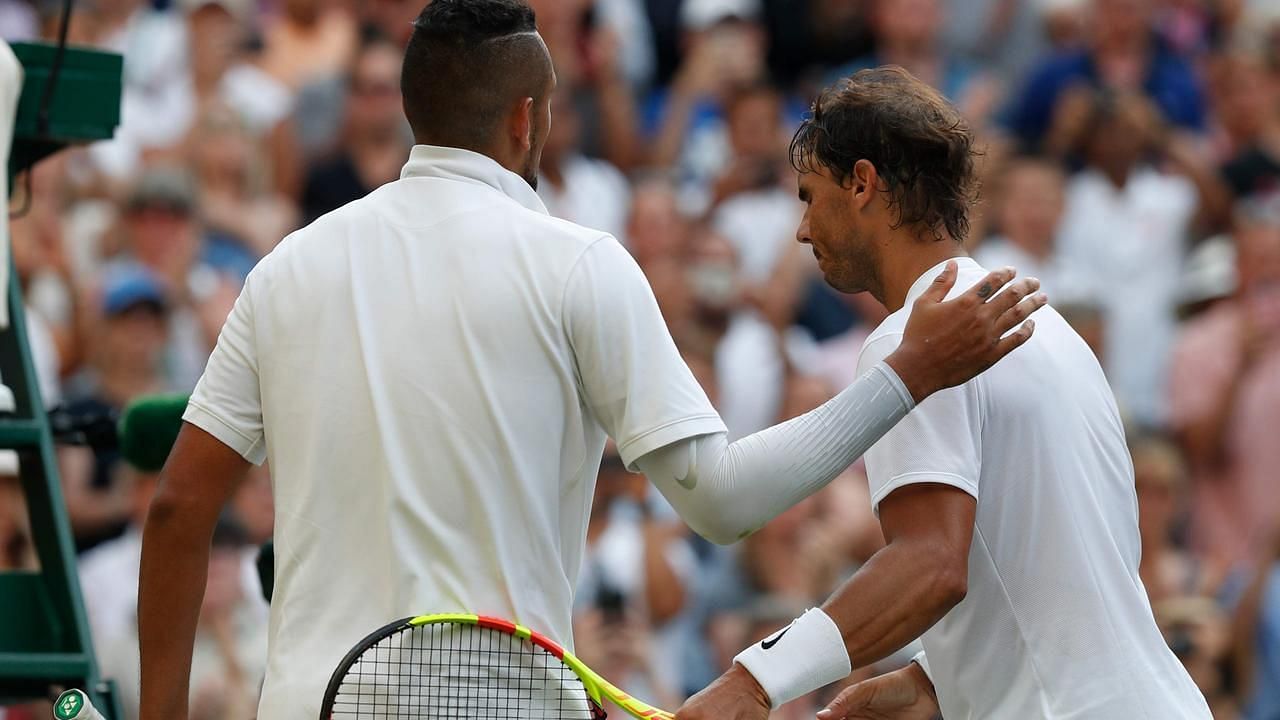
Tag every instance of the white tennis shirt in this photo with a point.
(436, 362)
(1056, 623)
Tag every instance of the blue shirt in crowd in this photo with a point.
(1170, 83)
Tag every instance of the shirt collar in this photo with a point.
(963, 262)
(434, 161)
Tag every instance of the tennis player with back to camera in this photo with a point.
(1007, 503)
(432, 372)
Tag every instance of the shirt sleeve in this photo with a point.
(227, 402)
(940, 442)
(633, 379)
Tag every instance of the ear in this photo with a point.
(864, 182)
(521, 124)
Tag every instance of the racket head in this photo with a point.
(425, 634)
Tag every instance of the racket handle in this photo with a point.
(75, 705)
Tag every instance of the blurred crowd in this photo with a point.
(1130, 160)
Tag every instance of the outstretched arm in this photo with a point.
(726, 491)
(902, 591)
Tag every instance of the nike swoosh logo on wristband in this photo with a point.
(770, 642)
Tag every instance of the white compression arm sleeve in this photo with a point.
(728, 491)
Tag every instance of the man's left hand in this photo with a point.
(735, 695)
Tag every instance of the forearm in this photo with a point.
(618, 122)
(666, 148)
(726, 491)
(175, 561)
(897, 595)
(1204, 437)
(1215, 197)
(664, 588)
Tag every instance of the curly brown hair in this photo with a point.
(918, 142)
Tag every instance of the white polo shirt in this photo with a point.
(1056, 623)
(432, 372)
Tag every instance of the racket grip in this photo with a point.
(75, 705)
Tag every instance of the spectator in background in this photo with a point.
(638, 562)
(253, 507)
(658, 235)
(634, 51)
(1257, 638)
(1188, 27)
(561, 24)
(1006, 36)
(1249, 111)
(1064, 24)
(657, 226)
(1121, 55)
(244, 215)
(771, 563)
(374, 140)
(216, 67)
(308, 40)
(1199, 633)
(1029, 215)
(604, 90)
(754, 201)
(587, 191)
(18, 20)
(907, 34)
(1167, 570)
(1225, 399)
(109, 572)
(153, 108)
(746, 350)
(126, 356)
(163, 234)
(229, 658)
(724, 48)
(223, 70)
(808, 37)
(1130, 223)
(758, 139)
(835, 359)
(17, 551)
(393, 19)
(55, 312)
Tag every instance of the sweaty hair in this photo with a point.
(921, 147)
(466, 64)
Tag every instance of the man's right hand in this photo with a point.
(904, 694)
(948, 342)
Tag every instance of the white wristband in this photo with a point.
(806, 655)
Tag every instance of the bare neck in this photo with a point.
(906, 256)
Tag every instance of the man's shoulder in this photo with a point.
(883, 340)
(888, 334)
(566, 230)
(482, 208)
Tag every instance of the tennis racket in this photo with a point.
(468, 667)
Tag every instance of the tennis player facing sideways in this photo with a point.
(432, 372)
(1007, 503)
